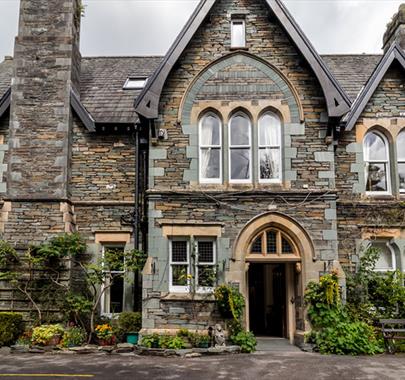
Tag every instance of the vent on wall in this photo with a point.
(135, 83)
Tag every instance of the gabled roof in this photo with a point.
(338, 102)
(393, 53)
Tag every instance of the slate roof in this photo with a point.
(352, 70)
(102, 80)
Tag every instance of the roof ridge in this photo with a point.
(123, 56)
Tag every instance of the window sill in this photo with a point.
(385, 196)
(188, 297)
(234, 48)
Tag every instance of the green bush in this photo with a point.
(41, 335)
(245, 340)
(130, 322)
(73, 337)
(150, 340)
(171, 342)
(11, 327)
(334, 331)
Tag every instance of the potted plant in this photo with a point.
(105, 335)
(203, 341)
(47, 335)
(130, 323)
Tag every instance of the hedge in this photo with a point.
(11, 327)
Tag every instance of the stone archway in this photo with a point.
(298, 271)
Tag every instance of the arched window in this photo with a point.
(269, 148)
(273, 243)
(376, 157)
(240, 152)
(401, 160)
(210, 138)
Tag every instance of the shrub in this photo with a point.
(230, 301)
(171, 342)
(246, 340)
(11, 327)
(104, 331)
(130, 322)
(333, 330)
(150, 340)
(74, 336)
(43, 334)
(8, 255)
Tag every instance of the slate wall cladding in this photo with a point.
(46, 66)
(174, 167)
(102, 166)
(356, 212)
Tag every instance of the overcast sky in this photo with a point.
(148, 27)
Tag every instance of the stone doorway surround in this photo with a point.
(303, 269)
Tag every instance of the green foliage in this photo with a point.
(333, 330)
(129, 322)
(42, 335)
(150, 340)
(8, 254)
(73, 337)
(183, 332)
(374, 295)
(171, 342)
(230, 301)
(246, 340)
(11, 327)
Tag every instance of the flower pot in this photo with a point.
(106, 342)
(203, 345)
(54, 341)
(132, 338)
(155, 344)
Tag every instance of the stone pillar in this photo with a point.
(46, 68)
(395, 30)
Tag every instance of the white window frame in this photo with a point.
(232, 147)
(393, 257)
(400, 160)
(235, 21)
(386, 162)
(177, 288)
(106, 296)
(205, 289)
(128, 86)
(261, 147)
(202, 147)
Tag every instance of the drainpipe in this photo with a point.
(137, 175)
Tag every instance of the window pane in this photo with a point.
(179, 251)
(257, 245)
(385, 260)
(271, 242)
(205, 251)
(401, 172)
(286, 246)
(240, 130)
(376, 179)
(401, 146)
(269, 130)
(269, 163)
(210, 130)
(116, 295)
(240, 164)
(374, 148)
(206, 276)
(210, 163)
(238, 34)
(179, 275)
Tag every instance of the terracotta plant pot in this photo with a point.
(106, 342)
(54, 341)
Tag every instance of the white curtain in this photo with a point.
(208, 124)
(269, 140)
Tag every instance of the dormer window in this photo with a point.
(238, 33)
(135, 83)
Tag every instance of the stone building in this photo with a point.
(242, 156)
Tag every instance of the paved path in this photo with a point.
(262, 365)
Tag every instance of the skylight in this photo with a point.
(135, 83)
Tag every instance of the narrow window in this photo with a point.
(206, 265)
(401, 160)
(210, 138)
(240, 149)
(135, 83)
(238, 33)
(269, 148)
(179, 266)
(113, 287)
(376, 159)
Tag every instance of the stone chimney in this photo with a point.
(46, 68)
(395, 30)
